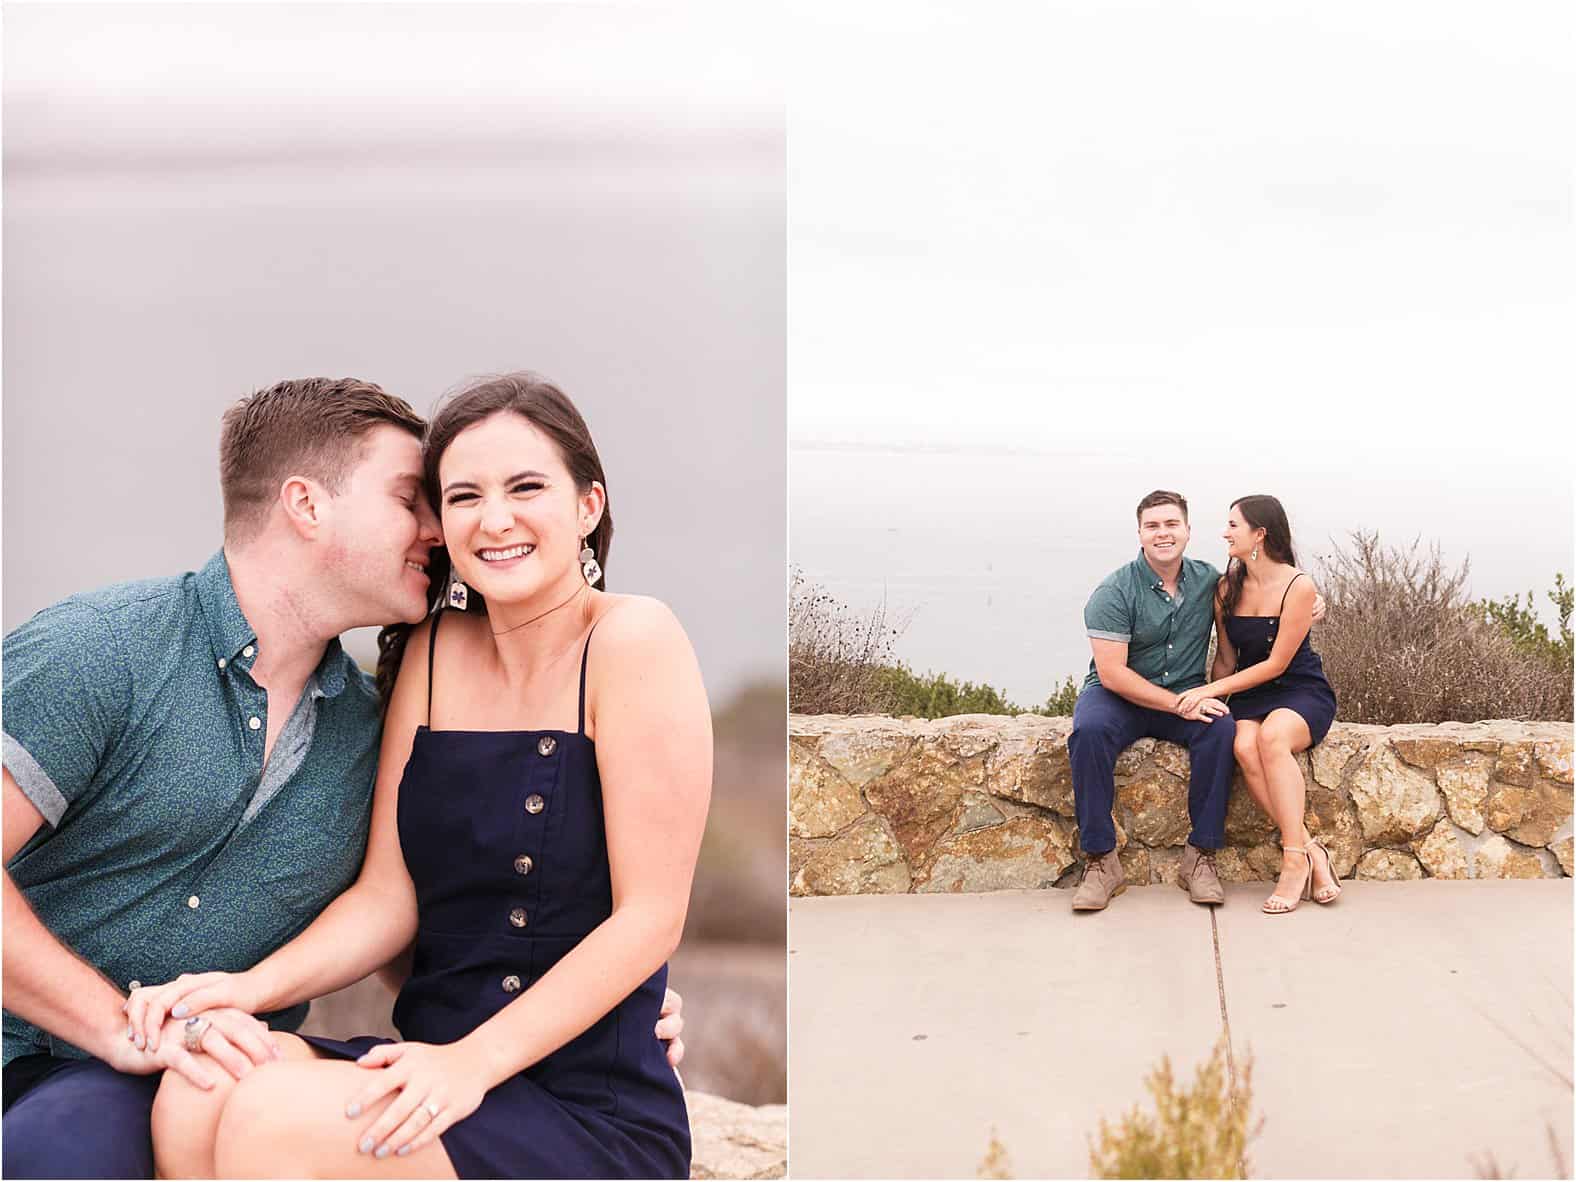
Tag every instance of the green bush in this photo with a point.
(1528, 633)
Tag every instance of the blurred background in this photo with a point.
(202, 200)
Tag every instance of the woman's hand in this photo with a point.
(1189, 701)
(190, 993)
(670, 1026)
(434, 1087)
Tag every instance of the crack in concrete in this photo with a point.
(1225, 1022)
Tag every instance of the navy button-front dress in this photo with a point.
(1301, 688)
(502, 834)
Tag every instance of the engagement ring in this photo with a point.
(195, 1029)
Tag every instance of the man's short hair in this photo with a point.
(304, 427)
(1161, 497)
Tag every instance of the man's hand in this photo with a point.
(670, 1024)
(235, 1041)
(1318, 607)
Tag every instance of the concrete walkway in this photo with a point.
(1413, 1029)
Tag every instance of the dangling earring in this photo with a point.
(459, 593)
(1254, 557)
(588, 564)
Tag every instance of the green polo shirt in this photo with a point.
(1167, 638)
(134, 726)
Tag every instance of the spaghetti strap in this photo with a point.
(584, 653)
(432, 651)
(1285, 593)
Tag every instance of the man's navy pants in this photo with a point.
(77, 1118)
(1104, 723)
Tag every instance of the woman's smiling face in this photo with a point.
(512, 517)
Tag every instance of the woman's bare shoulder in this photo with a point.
(636, 621)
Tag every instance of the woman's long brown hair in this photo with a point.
(1259, 512)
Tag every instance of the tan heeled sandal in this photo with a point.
(1278, 904)
(1325, 894)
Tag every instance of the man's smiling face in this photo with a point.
(1163, 534)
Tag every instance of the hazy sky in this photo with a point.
(202, 200)
(1042, 266)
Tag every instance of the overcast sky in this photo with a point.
(201, 200)
(1043, 265)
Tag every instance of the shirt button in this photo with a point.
(534, 804)
(517, 917)
(248, 651)
(1168, 646)
(254, 722)
(511, 984)
(194, 902)
(223, 662)
(523, 864)
(546, 745)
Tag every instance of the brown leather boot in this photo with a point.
(1198, 877)
(1102, 881)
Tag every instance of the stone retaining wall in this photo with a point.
(984, 802)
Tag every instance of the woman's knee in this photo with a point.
(184, 1121)
(1274, 743)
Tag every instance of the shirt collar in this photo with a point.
(229, 632)
(1147, 575)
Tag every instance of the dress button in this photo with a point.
(517, 917)
(134, 985)
(546, 745)
(248, 651)
(194, 902)
(534, 804)
(511, 984)
(523, 864)
(254, 722)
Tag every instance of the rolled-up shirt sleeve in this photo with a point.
(1107, 615)
(67, 695)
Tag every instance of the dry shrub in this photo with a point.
(1402, 642)
(836, 658)
(1197, 1132)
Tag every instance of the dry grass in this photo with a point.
(1195, 1132)
(1403, 643)
(836, 659)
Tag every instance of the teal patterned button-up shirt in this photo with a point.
(1167, 636)
(134, 726)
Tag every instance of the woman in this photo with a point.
(542, 788)
(1279, 697)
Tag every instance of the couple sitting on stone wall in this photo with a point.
(1148, 624)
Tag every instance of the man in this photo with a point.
(189, 766)
(1149, 624)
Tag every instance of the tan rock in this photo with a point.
(1022, 853)
(1562, 851)
(1173, 759)
(1498, 858)
(820, 801)
(1424, 748)
(1442, 853)
(1033, 768)
(1153, 808)
(1516, 761)
(968, 738)
(1259, 863)
(1395, 802)
(1388, 866)
(1333, 753)
(978, 813)
(862, 860)
(1135, 861)
(1163, 866)
(1463, 779)
(1246, 823)
(920, 797)
(1332, 818)
(730, 1140)
(865, 753)
(1553, 757)
(1531, 815)
(1134, 757)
